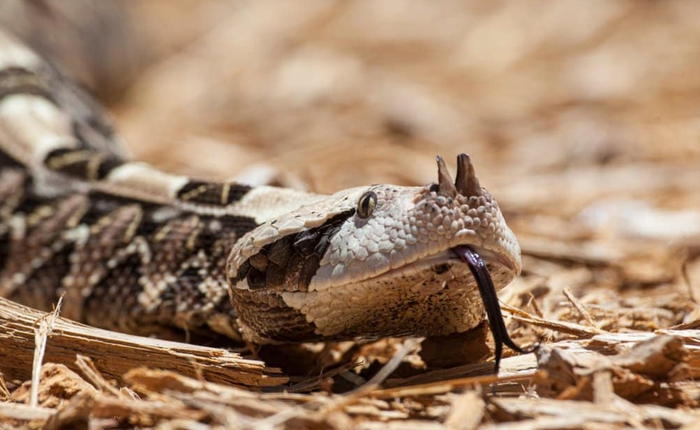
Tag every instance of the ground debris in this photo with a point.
(570, 414)
(58, 384)
(646, 373)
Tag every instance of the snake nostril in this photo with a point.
(441, 268)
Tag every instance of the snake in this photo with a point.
(135, 249)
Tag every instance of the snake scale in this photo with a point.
(138, 250)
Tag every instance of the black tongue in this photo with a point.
(490, 299)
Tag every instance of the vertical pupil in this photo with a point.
(366, 204)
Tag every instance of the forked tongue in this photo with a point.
(490, 299)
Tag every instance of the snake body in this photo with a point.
(135, 249)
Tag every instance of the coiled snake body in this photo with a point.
(137, 250)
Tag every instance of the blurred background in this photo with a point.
(583, 118)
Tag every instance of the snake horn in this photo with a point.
(446, 187)
(466, 183)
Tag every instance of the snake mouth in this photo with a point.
(486, 255)
(451, 255)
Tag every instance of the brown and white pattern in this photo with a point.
(135, 249)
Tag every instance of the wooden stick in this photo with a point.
(115, 353)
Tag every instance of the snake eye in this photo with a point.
(366, 205)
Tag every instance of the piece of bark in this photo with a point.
(116, 353)
(577, 414)
(655, 358)
(467, 412)
(639, 374)
(58, 384)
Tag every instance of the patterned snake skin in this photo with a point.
(138, 250)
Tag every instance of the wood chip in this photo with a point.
(115, 353)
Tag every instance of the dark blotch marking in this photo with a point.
(16, 80)
(192, 273)
(94, 167)
(289, 263)
(240, 225)
(212, 193)
(107, 165)
(31, 203)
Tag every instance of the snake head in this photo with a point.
(372, 261)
